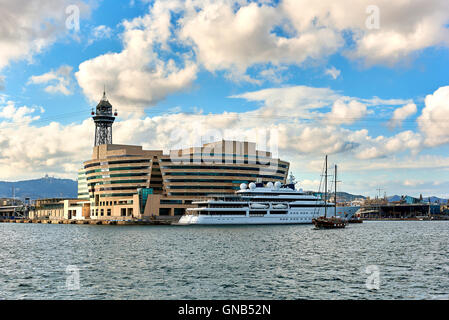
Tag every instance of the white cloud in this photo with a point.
(236, 35)
(98, 33)
(60, 80)
(290, 101)
(413, 183)
(346, 112)
(308, 184)
(29, 26)
(28, 151)
(400, 114)
(333, 72)
(381, 147)
(226, 38)
(433, 121)
(405, 27)
(14, 115)
(164, 49)
(137, 77)
(60, 149)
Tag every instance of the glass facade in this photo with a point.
(143, 196)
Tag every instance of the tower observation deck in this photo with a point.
(104, 118)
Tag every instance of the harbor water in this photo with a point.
(373, 260)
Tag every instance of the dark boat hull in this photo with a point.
(328, 223)
(355, 221)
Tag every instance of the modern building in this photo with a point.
(126, 181)
(59, 209)
(83, 192)
(9, 208)
(76, 209)
(52, 208)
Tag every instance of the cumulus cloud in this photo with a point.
(13, 114)
(381, 146)
(253, 42)
(28, 150)
(60, 149)
(404, 27)
(227, 38)
(400, 114)
(235, 35)
(346, 112)
(60, 80)
(434, 117)
(29, 26)
(138, 77)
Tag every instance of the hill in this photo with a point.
(46, 187)
(344, 196)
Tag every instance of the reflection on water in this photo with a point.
(226, 262)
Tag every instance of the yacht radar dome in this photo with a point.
(270, 185)
(252, 186)
(243, 186)
(277, 185)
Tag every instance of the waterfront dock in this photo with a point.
(92, 222)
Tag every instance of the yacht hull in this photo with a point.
(303, 216)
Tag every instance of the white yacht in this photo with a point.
(259, 204)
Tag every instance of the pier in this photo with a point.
(402, 212)
(93, 222)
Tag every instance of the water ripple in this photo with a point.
(229, 262)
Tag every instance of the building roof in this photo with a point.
(104, 106)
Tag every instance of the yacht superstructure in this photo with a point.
(259, 204)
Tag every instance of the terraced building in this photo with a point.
(126, 181)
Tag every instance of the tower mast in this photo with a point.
(335, 190)
(103, 118)
(325, 188)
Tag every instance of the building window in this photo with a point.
(164, 211)
(171, 201)
(123, 212)
(179, 211)
(109, 212)
(102, 212)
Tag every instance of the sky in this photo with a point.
(365, 82)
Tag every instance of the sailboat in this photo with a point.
(329, 222)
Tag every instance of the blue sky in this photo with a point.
(326, 82)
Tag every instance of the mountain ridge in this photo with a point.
(46, 187)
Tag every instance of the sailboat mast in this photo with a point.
(325, 189)
(335, 189)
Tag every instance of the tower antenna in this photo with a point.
(103, 118)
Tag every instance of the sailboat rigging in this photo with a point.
(331, 222)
